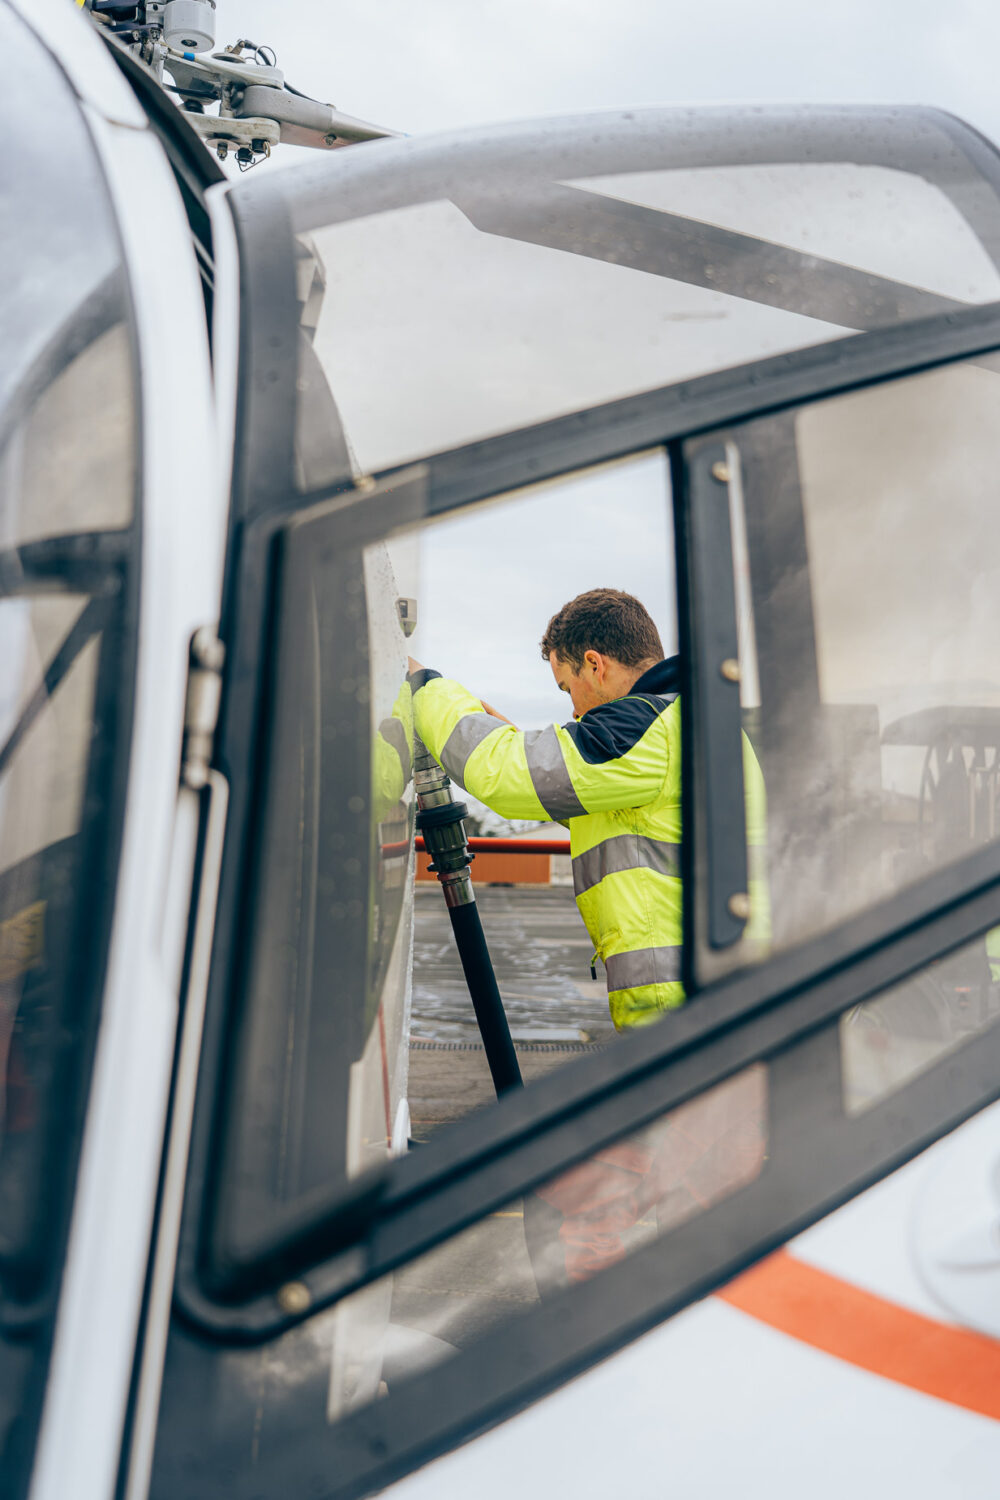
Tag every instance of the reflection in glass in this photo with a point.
(45, 749)
(588, 1219)
(64, 477)
(61, 471)
(321, 1051)
(888, 1041)
(439, 322)
(876, 612)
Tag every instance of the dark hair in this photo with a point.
(604, 620)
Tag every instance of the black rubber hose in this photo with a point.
(479, 976)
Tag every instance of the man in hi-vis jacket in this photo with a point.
(613, 775)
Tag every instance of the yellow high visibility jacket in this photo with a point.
(614, 776)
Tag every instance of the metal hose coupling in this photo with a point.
(440, 819)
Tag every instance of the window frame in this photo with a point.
(446, 483)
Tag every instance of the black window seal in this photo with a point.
(475, 472)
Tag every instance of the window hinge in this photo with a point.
(201, 710)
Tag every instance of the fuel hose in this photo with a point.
(440, 820)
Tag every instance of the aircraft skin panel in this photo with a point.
(795, 1420)
(868, 1242)
(870, 1333)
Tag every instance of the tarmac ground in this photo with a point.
(541, 955)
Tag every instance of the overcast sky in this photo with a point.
(445, 63)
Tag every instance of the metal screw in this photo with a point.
(721, 471)
(222, 150)
(730, 669)
(364, 483)
(330, 140)
(739, 906)
(294, 1297)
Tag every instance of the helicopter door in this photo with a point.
(836, 610)
(408, 360)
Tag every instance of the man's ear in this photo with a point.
(594, 662)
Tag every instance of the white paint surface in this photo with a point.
(715, 1404)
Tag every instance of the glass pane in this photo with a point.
(42, 772)
(320, 1080)
(439, 320)
(574, 1227)
(61, 470)
(486, 581)
(871, 608)
(45, 752)
(903, 1032)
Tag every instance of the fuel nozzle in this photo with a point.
(440, 820)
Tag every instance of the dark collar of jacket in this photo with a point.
(664, 679)
(610, 730)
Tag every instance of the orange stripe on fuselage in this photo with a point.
(952, 1364)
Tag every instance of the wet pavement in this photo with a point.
(541, 956)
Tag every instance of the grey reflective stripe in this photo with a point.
(626, 851)
(394, 734)
(550, 774)
(469, 732)
(627, 971)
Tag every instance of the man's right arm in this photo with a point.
(537, 773)
(483, 755)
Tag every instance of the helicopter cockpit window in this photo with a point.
(441, 318)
